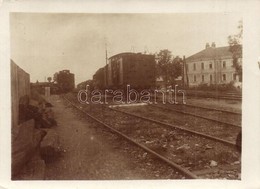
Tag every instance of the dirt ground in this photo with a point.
(88, 154)
(231, 105)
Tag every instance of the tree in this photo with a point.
(175, 70)
(235, 47)
(49, 79)
(163, 60)
(167, 67)
(55, 77)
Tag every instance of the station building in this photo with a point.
(213, 65)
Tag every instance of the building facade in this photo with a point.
(213, 65)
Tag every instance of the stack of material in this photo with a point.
(42, 114)
(25, 146)
(34, 114)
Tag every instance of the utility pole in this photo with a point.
(185, 73)
(106, 51)
(106, 82)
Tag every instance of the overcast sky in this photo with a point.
(43, 44)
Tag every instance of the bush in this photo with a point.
(217, 87)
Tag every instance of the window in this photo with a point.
(224, 77)
(187, 67)
(202, 66)
(195, 78)
(202, 78)
(210, 65)
(224, 64)
(234, 77)
(194, 66)
(211, 78)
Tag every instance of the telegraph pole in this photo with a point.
(185, 73)
(106, 63)
(106, 49)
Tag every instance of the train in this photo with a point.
(134, 69)
(63, 82)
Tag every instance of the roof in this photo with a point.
(129, 53)
(121, 54)
(211, 53)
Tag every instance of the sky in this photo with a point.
(45, 43)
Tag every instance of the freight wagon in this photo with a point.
(134, 69)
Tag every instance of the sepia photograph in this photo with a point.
(126, 96)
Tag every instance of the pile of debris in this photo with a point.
(36, 141)
(37, 108)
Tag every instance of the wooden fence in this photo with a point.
(20, 87)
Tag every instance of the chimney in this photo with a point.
(207, 45)
(213, 45)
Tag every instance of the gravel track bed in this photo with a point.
(191, 152)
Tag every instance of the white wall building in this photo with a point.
(211, 66)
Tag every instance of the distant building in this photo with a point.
(86, 85)
(213, 65)
(40, 87)
(160, 83)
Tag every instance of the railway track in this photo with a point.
(186, 122)
(142, 142)
(199, 116)
(229, 97)
(185, 172)
(232, 144)
(226, 96)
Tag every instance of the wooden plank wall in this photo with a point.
(20, 86)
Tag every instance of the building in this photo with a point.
(213, 65)
(40, 87)
(160, 83)
(135, 69)
(86, 85)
